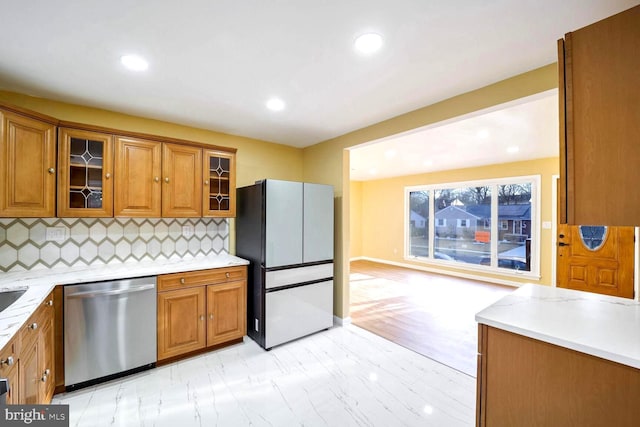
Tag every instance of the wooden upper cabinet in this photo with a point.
(181, 181)
(138, 168)
(219, 192)
(85, 173)
(600, 122)
(27, 166)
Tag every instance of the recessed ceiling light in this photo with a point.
(513, 149)
(134, 62)
(275, 104)
(368, 43)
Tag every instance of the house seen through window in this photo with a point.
(486, 224)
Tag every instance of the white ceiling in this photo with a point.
(521, 130)
(213, 64)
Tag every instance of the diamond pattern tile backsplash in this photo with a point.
(92, 241)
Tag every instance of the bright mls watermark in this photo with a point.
(35, 415)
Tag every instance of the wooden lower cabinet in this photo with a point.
(36, 356)
(9, 368)
(226, 305)
(181, 325)
(525, 382)
(200, 309)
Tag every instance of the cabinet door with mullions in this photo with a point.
(85, 187)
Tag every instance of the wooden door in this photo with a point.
(181, 325)
(85, 169)
(606, 267)
(182, 181)
(27, 167)
(226, 312)
(137, 178)
(219, 195)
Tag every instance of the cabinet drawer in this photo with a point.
(189, 279)
(9, 357)
(31, 328)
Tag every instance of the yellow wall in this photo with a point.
(356, 218)
(383, 210)
(327, 162)
(255, 159)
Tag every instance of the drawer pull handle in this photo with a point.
(228, 275)
(33, 326)
(49, 303)
(8, 361)
(182, 280)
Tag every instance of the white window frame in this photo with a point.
(495, 223)
(504, 224)
(443, 224)
(466, 223)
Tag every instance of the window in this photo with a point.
(479, 225)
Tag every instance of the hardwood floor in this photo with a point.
(428, 313)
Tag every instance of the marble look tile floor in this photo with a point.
(345, 376)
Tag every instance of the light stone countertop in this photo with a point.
(599, 325)
(40, 282)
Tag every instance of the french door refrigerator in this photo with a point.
(285, 229)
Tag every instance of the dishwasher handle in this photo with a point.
(110, 292)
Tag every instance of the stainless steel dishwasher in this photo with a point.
(109, 330)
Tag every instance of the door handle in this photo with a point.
(563, 244)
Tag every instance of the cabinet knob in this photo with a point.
(211, 316)
(202, 317)
(206, 182)
(8, 361)
(49, 303)
(166, 179)
(51, 170)
(227, 274)
(156, 178)
(182, 280)
(47, 371)
(44, 378)
(33, 326)
(107, 175)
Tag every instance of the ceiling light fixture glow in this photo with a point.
(134, 62)
(368, 43)
(390, 154)
(275, 104)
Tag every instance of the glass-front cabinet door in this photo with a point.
(85, 184)
(219, 195)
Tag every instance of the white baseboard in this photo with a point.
(341, 321)
(358, 258)
(447, 272)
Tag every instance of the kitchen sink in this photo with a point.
(8, 297)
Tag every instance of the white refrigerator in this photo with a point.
(285, 229)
